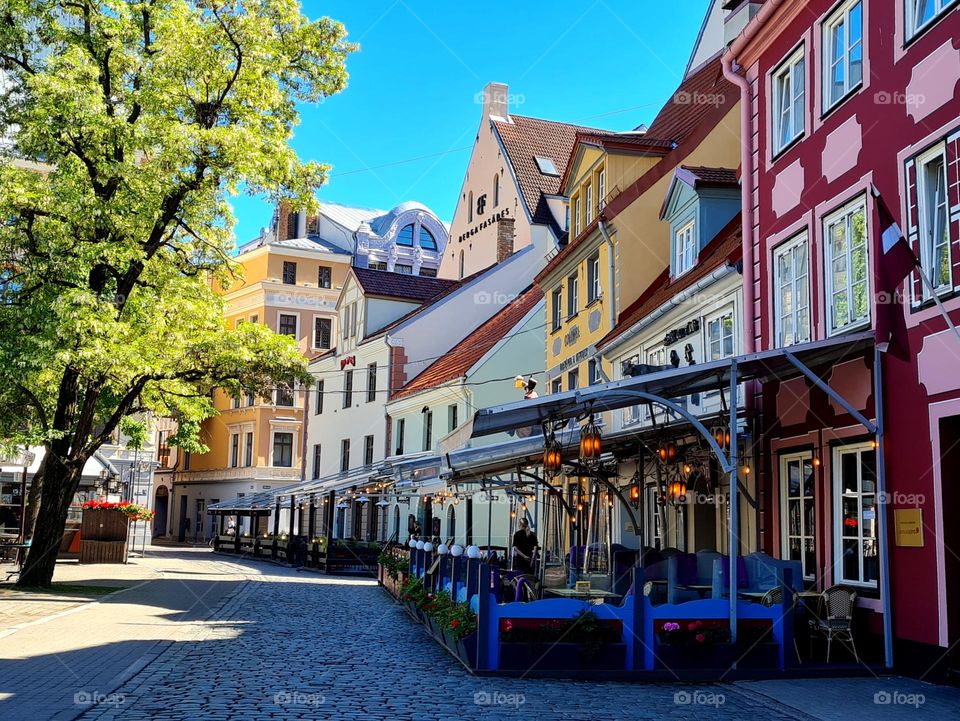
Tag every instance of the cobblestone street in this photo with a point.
(278, 644)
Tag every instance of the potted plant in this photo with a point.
(583, 641)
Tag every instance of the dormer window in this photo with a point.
(426, 239)
(405, 236)
(546, 166)
(685, 249)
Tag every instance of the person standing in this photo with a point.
(524, 547)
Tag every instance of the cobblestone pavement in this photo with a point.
(298, 646)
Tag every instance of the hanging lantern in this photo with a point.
(667, 452)
(635, 493)
(552, 456)
(678, 490)
(590, 445)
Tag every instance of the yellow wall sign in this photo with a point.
(908, 525)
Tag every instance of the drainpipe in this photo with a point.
(611, 305)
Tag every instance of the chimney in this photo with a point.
(302, 224)
(286, 221)
(496, 101)
(504, 239)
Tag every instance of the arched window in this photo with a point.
(461, 265)
(451, 523)
(470, 207)
(427, 241)
(496, 189)
(405, 236)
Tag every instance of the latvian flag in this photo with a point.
(895, 263)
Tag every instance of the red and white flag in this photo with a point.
(894, 264)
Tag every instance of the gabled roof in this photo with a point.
(696, 98)
(726, 247)
(386, 284)
(698, 176)
(523, 140)
(630, 141)
(462, 357)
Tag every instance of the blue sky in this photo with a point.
(421, 63)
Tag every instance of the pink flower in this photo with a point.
(700, 638)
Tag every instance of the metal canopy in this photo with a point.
(254, 504)
(777, 364)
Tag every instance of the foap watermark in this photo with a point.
(712, 99)
(499, 96)
(483, 297)
(913, 100)
(95, 698)
(898, 498)
(899, 698)
(298, 698)
(498, 698)
(699, 698)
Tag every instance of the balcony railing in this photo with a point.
(254, 473)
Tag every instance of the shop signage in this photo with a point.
(908, 527)
(678, 334)
(576, 359)
(348, 361)
(505, 213)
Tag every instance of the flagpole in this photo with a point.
(928, 284)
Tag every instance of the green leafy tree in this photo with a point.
(129, 124)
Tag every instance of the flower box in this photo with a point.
(535, 656)
(713, 656)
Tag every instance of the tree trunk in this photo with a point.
(59, 484)
(33, 501)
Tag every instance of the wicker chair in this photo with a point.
(838, 603)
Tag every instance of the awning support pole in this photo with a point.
(882, 512)
(818, 382)
(734, 505)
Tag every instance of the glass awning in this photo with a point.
(779, 364)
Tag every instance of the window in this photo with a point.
(933, 217)
(792, 282)
(427, 430)
(921, 13)
(546, 165)
(324, 277)
(318, 406)
(789, 101)
(842, 53)
(428, 272)
(283, 450)
(461, 264)
(601, 189)
(287, 325)
(426, 239)
(235, 401)
(234, 450)
(405, 236)
(289, 273)
(588, 201)
(348, 388)
(401, 427)
(377, 265)
(470, 207)
(573, 379)
(720, 337)
(573, 295)
(283, 395)
(592, 376)
(345, 455)
(556, 385)
(371, 383)
(452, 420)
(798, 496)
(855, 514)
(248, 450)
(316, 460)
(576, 217)
(255, 318)
(557, 309)
(593, 278)
(322, 330)
(251, 400)
(684, 250)
(403, 269)
(496, 189)
(845, 234)
(367, 450)
(353, 319)
(186, 460)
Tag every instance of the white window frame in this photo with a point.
(573, 294)
(910, 28)
(576, 216)
(556, 309)
(790, 249)
(601, 189)
(317, 345)
(845, 214)
(838, 16)
(684, 252)
(293, 447)
(594, 287)
(838, 535)
(588, 202)
(708, 342)
(296, 325)
(938, 152)
(235, 450)
(249, 447)
(785, 499)
(785, 75)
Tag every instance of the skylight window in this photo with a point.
(546, 165)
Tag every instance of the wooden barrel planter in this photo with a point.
(103, 536)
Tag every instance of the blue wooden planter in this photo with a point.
(525, 656)
(714, 656)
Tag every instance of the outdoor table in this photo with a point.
(752, 595)
(593, 595)
(701, 588)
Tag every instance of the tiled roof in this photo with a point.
(398, 285)
(525, 138)
(712, 176)
(461, 358)
(726, 247)
(698, 96)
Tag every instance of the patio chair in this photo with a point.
(838, 602)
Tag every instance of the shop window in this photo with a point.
(848, 295)
(855, 515)
(798, 504)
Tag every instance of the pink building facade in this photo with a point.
(839, 99)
